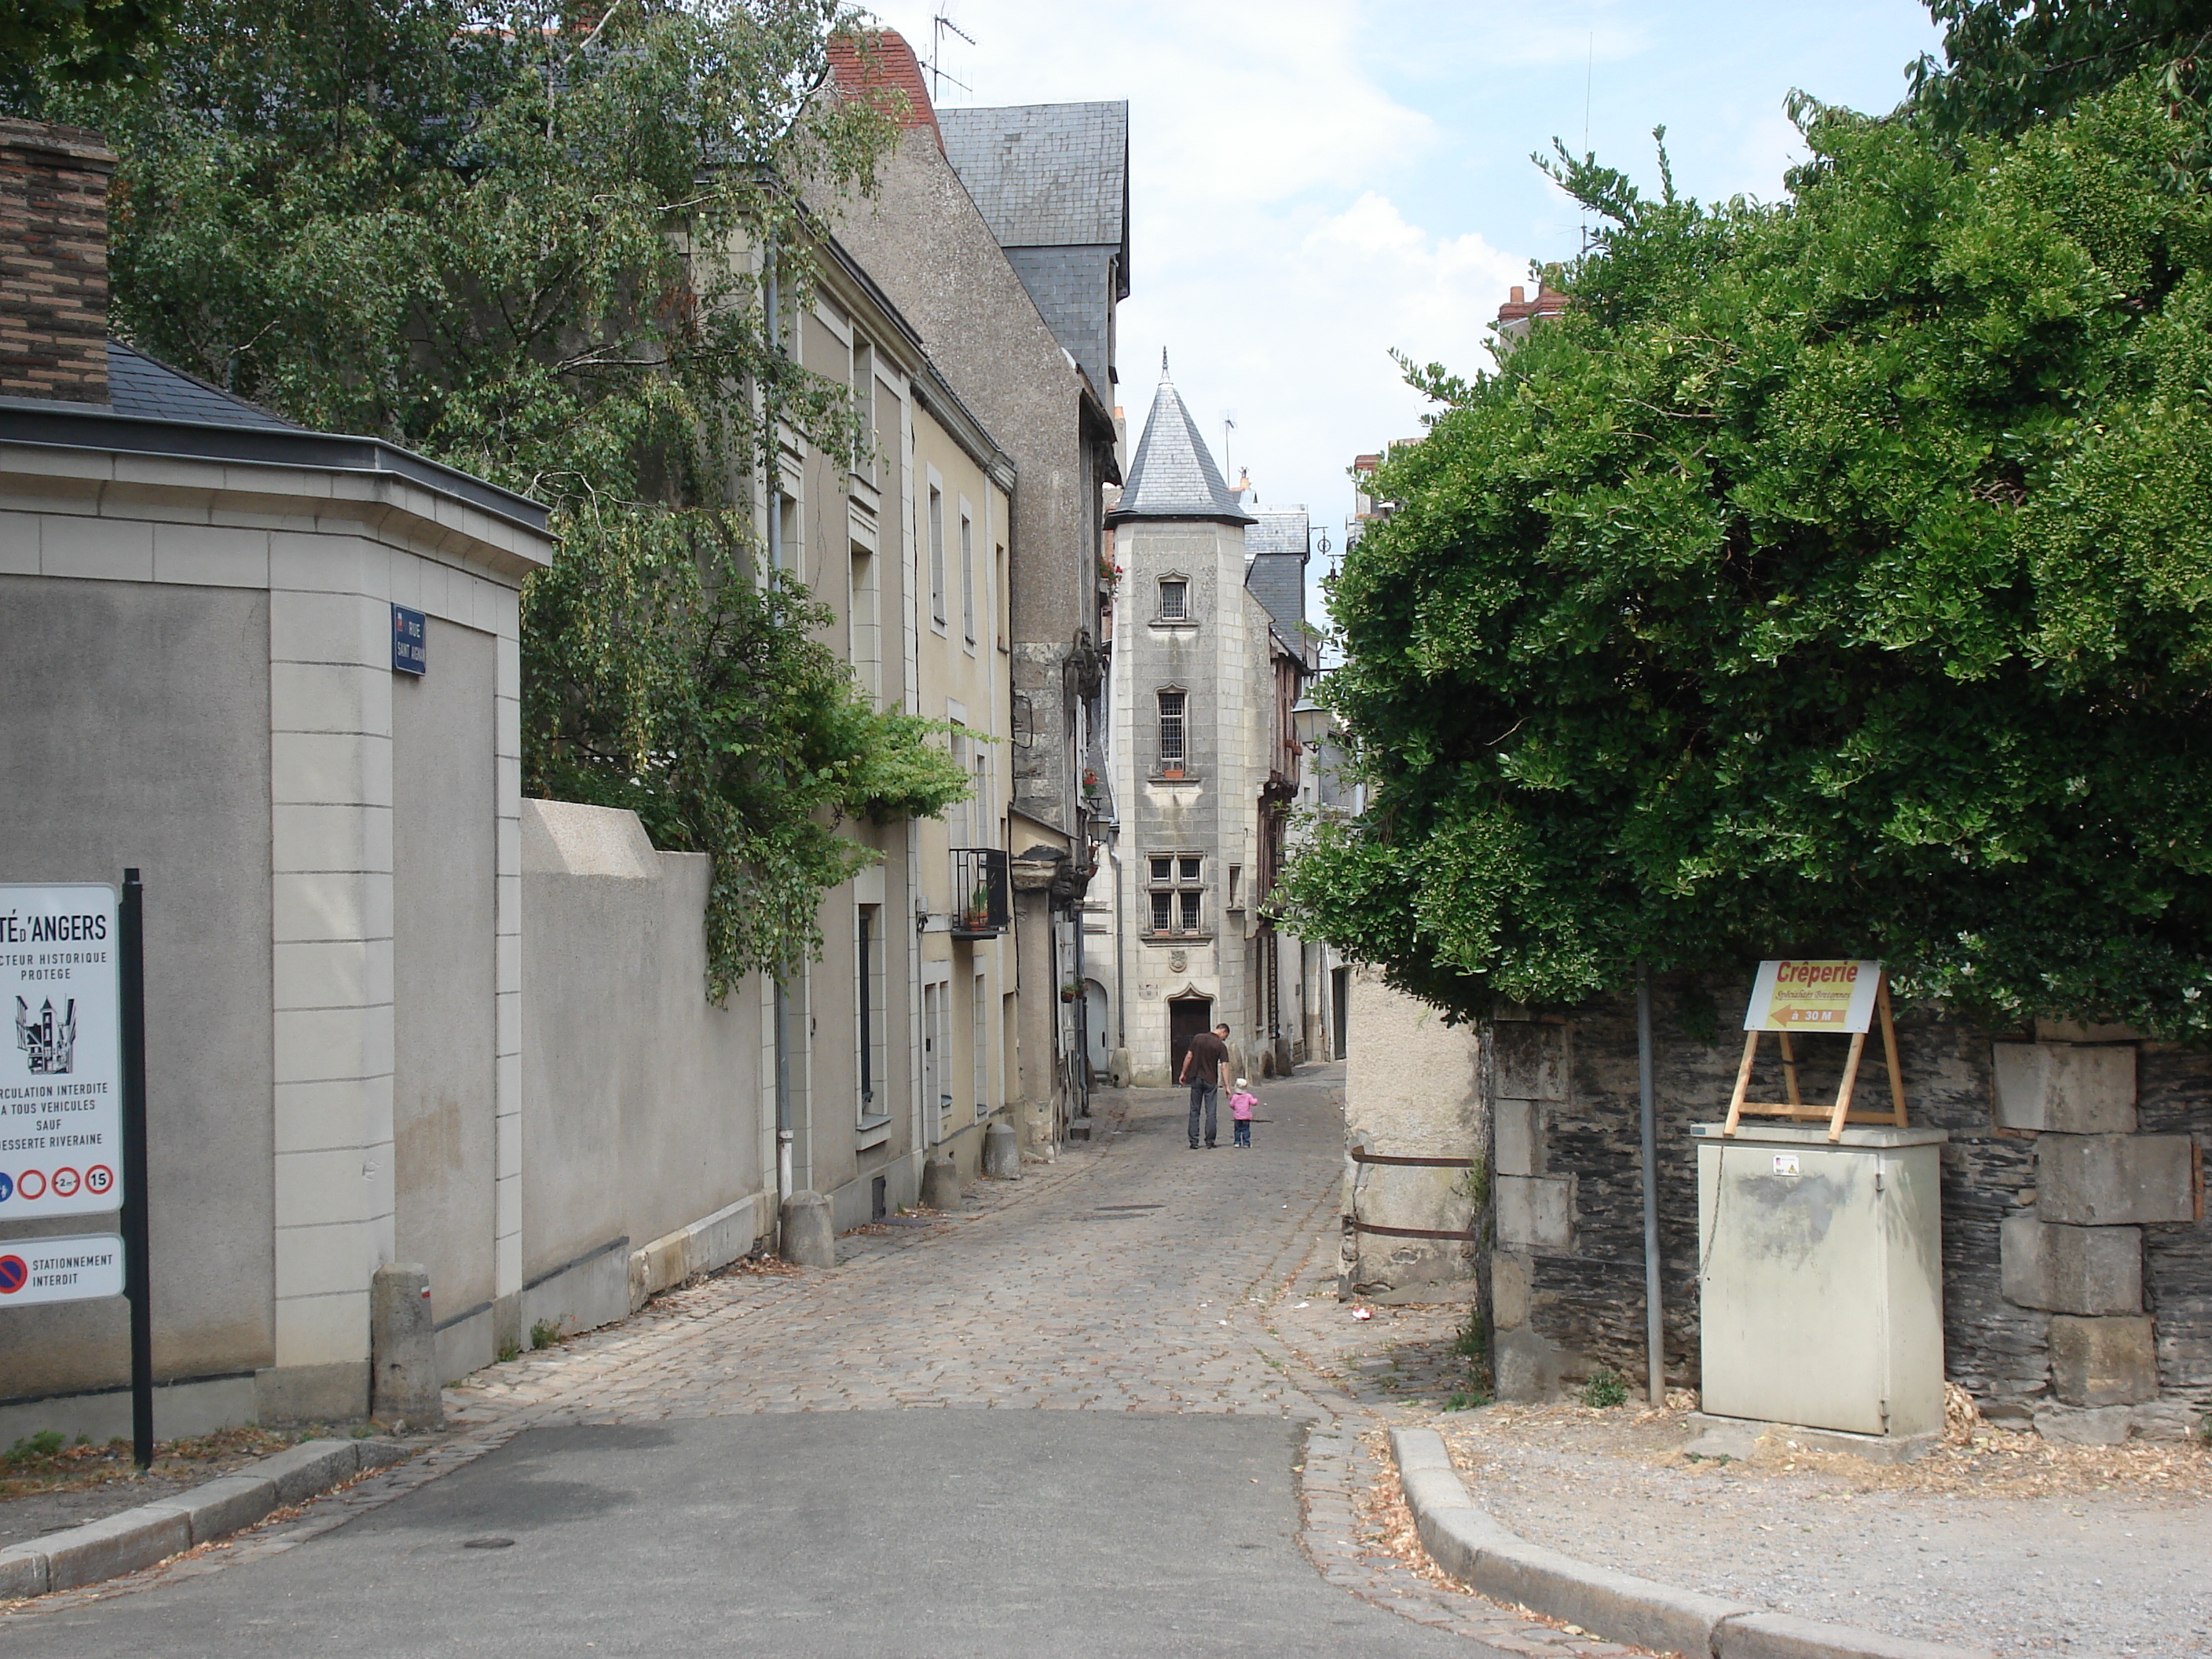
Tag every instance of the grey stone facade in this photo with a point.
(1052, 181)
(938, 258)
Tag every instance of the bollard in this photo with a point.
(940, 1183)
(1002, 1152)
(403, 1340)
(809, 1239)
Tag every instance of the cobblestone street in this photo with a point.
(1131, 1275)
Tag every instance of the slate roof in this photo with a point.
(1174, 476)
(1276, 573)
(1046, 175)
(148, 391)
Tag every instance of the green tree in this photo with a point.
(1833, 578)
(528, 242)
(2010, 63)
(75, 43)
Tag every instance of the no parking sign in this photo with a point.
(59, 1269)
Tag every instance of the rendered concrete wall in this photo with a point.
(244, 719)
(137, 732)
(643, 1108)
(444, 910)
(1413, 1087)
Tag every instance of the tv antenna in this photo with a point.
(939, 24)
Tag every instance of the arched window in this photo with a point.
(1175, 599)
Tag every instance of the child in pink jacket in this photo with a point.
(1240, 1113)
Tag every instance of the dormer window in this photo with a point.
(1175, 599)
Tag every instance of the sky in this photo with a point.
(1314, 184)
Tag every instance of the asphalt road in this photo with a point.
(915, 1532)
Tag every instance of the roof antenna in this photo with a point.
(939, 24)
(1589, 77)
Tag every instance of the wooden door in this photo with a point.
(1186, 1017)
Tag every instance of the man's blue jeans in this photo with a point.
(1202, 1098)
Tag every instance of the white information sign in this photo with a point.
(33, 1270)
(1813, 996)
(60, 1066)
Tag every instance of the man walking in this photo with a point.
(1203, 1064)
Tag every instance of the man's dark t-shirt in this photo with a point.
(1208, 1054)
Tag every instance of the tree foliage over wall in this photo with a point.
(1835, 577)
(520, 239)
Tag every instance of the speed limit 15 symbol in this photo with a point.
(99, 1179)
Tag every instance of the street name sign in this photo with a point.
(35, 1270)
(61, 1077)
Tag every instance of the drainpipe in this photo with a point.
(1654, 1330)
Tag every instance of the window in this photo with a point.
(868, 964)
(862, 623)
(863, 407)
(967, 579)
(1176, 893)
(937, 554)
(959, 820)
(1172, 718)
(1236, 886)
(1174, 600)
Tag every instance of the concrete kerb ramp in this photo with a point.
(1471, 1545)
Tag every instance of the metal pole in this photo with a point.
(130, 957)
(1655, 1337)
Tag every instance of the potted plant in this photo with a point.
(976, 918)
(1070, 991)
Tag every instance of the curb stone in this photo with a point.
(136, 1538)
(1474, 1547)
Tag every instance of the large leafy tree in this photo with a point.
(1835, 576)
(527, 240)
(2009, 64)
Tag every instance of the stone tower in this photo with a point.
(1190, 652)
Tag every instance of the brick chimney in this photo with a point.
(54, 261)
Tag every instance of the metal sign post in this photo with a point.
(137, 1255)
(73, 1105)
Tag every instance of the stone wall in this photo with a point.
(2077, 1264)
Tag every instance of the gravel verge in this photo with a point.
(2010, 1544)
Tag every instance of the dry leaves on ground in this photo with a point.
(38, 1466)
(1994, 1462)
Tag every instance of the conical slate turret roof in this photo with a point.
(1174, 476)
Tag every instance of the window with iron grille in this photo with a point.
(1172, 718)
(1177, 891)
(1175, 601)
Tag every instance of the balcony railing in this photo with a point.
(981, 906)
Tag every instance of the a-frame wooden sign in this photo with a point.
(1796, 998)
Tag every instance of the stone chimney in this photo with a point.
(53, 262)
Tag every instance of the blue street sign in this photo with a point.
(409, 642)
